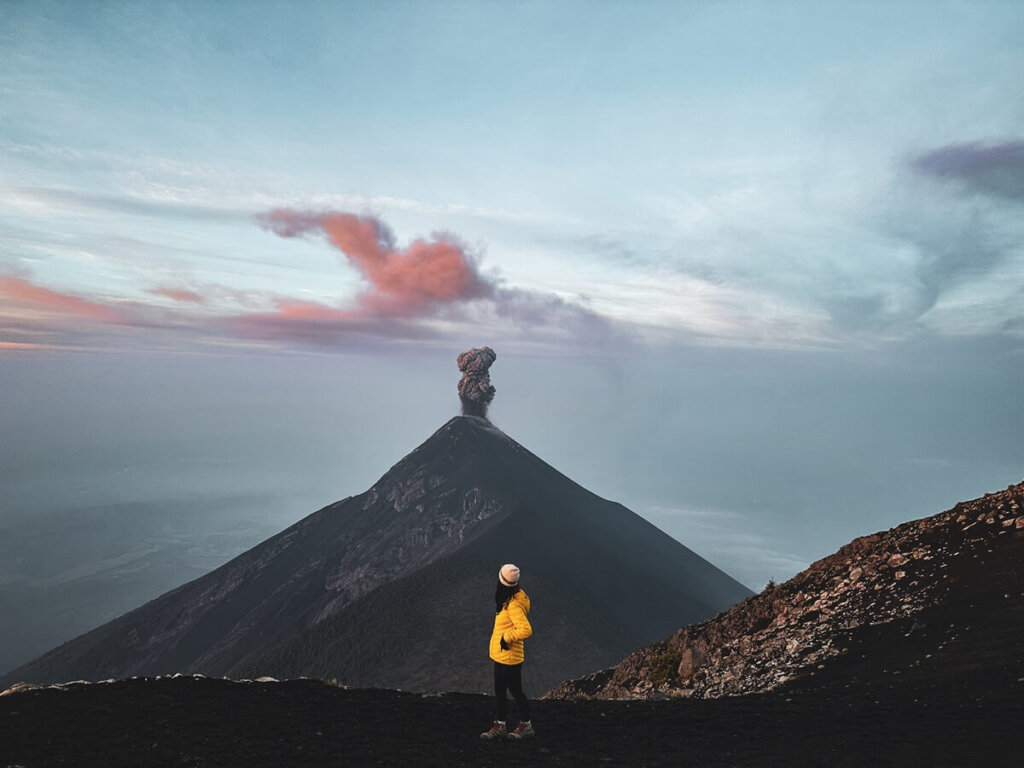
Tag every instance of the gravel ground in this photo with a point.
(206, 722)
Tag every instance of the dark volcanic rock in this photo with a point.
(394, 587)
(967, 721)
(892, 603)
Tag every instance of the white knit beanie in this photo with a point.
(508, 575)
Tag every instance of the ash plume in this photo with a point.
(475, 390)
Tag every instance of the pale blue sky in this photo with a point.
(727, 172)
(754, 269)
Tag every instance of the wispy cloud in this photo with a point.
(33, 317)
(431, 288)
(995, 169)
(962, 236)
(429, 279)
(30, 300)
(21, 346)
(293, 321)
(160, 187)
(51, 200)
(755, 263)
(182, 295)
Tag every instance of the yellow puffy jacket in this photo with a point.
(511, 623)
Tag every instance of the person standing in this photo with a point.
(511, 628)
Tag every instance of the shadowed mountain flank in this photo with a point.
(394, 587)
(939, 599)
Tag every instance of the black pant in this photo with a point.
(509, 677)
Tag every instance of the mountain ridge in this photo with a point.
(465, 500)
(921, 582)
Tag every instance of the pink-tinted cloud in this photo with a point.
(36, 318)
(29, 297)
(318, 324)
(21, 346)
(433, 279)
(180, 295)
(403, 282)
(431, 288)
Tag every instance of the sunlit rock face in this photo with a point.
(884, 605)
(394, 587)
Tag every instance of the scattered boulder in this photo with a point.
(692, 660)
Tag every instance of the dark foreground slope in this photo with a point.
(940, 598)
(940, 683)
(394, 587)
(902, 720)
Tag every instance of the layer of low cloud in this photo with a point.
(24, 296)
(432, 288)
(932, 247)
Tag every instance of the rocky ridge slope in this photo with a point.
(920, 573)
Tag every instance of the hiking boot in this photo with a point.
(498, 731)
(522, 731)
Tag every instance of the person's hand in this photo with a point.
(504, 645)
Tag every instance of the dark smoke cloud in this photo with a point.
(991, 169)
(957, 238)
(475, 390)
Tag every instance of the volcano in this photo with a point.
(394, 587)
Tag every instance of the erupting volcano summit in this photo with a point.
(393, 587)
(475, 390)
